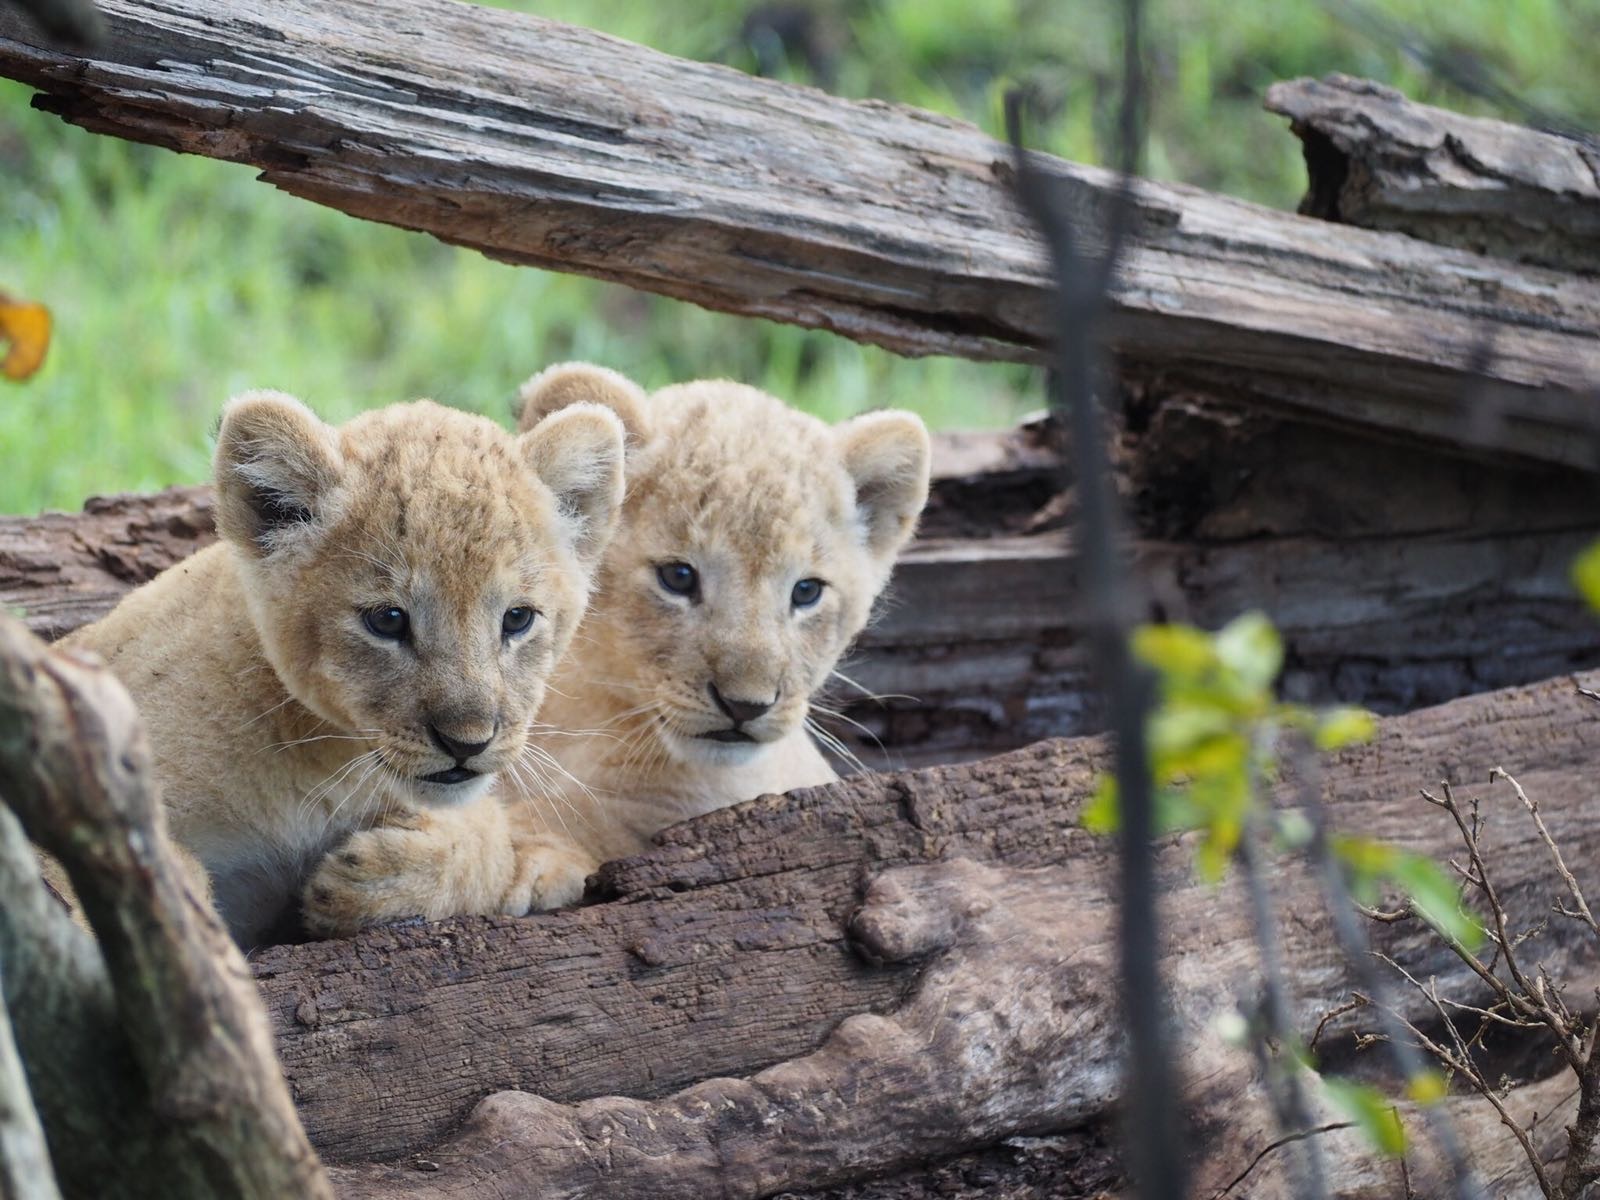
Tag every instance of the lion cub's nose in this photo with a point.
(454, 747)
(740, 710)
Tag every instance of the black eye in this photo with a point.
(679, 578)
(516, 620)
(390, 623)
(806, 593)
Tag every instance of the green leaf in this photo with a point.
(1371, 1112)
(1343, 727)
(1294, 829)
(1427, 1087)
(1250, 647)
(1586, 574)
(1176, 650)
(1176, 811)
(1102, 814)
(1367, 864)
(1176, 729)
(1364, 856)
(1433, 894)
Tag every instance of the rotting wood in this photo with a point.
(1398, 578)
(545, 144)
(1378, 160)
(883, 938)
(75, 769)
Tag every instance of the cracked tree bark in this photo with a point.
(1381, 161)
(554, 146)
(926, 957)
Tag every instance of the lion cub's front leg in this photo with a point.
(438, 863)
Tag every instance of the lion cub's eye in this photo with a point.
(679, 578)
(388, 622)
(806, 593)
(516, 620)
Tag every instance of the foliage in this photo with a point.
(1215, 735)
(1214, 738)
(1586, 575)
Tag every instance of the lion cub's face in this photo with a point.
(415, 574)
(753, 542)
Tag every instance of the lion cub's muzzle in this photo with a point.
(460, 746)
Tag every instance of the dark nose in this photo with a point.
(740, 710)
(460, 751)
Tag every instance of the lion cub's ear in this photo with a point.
(577, 453)
(887, 454)
(276, 468)
(556, 387)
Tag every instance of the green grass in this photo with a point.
(178, 281)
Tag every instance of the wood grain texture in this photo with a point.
(1380, 161)
(555, 146)
(75, 769)
(805, 990)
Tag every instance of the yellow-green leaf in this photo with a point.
(1180, 650)
(1250, 647)
(1344, 727)
(1370, 1111)
(1436, 899)
(1101, 814)
(1586, 574)
(1427, 1087)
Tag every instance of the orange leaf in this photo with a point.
(26, 327)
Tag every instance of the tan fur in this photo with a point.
(279, 721)
(756, 496)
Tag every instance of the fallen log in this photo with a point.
(805, 990)
(545, 144)
(1399, 579)
(1378, 160)
(183, 1098)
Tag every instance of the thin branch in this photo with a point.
(1407, 1062)
(1333, 1014)
(1462, 1063)
(1555, 851)
(1526, 999)
(1283, 1085)
(1080, 300)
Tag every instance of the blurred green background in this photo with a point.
(177, 281)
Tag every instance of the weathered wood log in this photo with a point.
(927, 957)
(25, 1172)
(1399, 579)
(545, 144)
(75, 769)
(1378, 160)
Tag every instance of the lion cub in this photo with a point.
(372, 635)
(753, 543)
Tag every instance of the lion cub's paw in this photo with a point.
(551, 873)
(378, 875)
